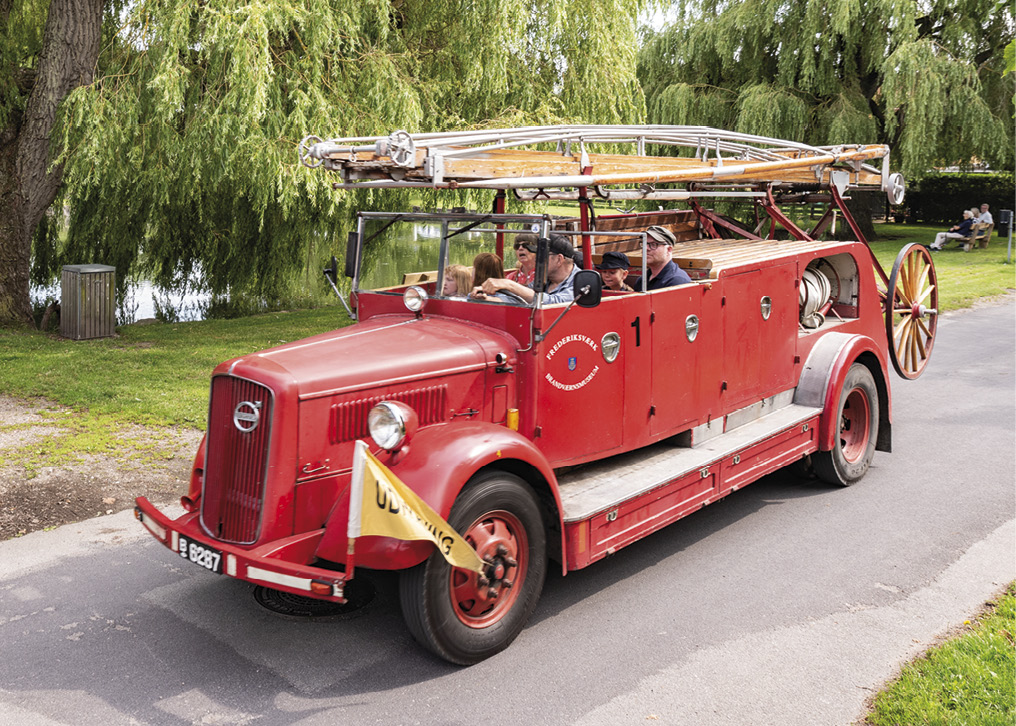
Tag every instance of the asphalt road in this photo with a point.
(787, 603)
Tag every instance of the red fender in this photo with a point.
(436, 464)
(191, 501)
(823, 376)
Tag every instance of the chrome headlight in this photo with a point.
(391, 424)
(414, 298)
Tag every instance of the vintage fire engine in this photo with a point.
(559, 432)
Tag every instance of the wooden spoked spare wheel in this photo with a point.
(911, 310)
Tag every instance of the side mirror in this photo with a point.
(542, 255)
(588, 288)
(332, 271)
(352, 253)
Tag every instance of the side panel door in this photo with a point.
(685, 368)
(579, 394)
(760, 315)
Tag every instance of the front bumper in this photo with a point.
(280, 565)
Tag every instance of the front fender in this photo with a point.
(823, 376)
(436, 464)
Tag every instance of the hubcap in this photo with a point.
(854, 425)
(500, 540)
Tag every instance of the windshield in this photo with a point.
(446, 254)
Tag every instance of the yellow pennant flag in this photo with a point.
(380, 504)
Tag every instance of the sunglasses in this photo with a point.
(524, 246)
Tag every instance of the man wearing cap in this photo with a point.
(614, 269)
(663, 271)
(561, 271)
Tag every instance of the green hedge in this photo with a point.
(941, 198)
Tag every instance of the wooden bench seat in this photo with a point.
(981, 236)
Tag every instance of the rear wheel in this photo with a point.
(856, 430)
(464, 617)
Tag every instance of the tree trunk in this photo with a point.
(27, 185)
(864, 206)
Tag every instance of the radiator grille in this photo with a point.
(348, 420)
(237, 461)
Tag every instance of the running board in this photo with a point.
(607, 484)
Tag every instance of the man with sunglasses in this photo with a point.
(561, 271)
(663, 271)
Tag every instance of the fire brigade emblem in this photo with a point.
(564, 369)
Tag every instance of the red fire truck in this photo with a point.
(558, 432)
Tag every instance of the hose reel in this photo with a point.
(816, 293)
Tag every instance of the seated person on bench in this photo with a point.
(963, 230)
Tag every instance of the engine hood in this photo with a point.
(383, 350)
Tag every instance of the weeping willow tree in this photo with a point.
(927, 78)
(181, 154)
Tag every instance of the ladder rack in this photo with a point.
(540, 158)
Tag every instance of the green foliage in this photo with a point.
(182, 156)
(926, 78)
(20, 45)
(968, 680)
(941, 198)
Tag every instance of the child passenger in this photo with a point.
(458, 281)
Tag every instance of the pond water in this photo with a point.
(402, 248)
(142, 301)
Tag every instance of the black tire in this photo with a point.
(856, 430)
(459, 630)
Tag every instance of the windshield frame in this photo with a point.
(477, 222)
(543, 225)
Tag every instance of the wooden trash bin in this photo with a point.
(88, 302)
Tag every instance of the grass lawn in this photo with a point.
(967, 680)
(149, 374)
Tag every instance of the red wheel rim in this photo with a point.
(854, 423)
(500, 540)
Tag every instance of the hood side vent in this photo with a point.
(348, 420)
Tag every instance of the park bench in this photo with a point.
(981, 236)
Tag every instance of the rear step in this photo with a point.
(606, 484)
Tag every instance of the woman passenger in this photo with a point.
(486, 266)
(525, 253)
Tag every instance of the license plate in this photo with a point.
(199, 554)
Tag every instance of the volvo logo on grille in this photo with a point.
(247, 416)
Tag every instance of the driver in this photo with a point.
(561, 271)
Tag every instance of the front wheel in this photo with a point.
(856, 430)
(464, 617)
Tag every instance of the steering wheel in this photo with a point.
(510, 297)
